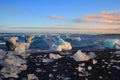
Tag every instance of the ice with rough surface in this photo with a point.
(22, 48)
(80, 56)
(13, 64)
(112, 43)
(61, 45)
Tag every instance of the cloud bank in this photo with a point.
(104, 17)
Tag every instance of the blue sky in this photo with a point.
(76, 16)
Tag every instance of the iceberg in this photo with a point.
(22, 48)
(112, 43)
(60, 45)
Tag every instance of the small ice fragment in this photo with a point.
(115, 61)
(117, 67)
(80, 69)
(50, 75)
(54, 56)
(37, 64)
(47, 60)
(107, 67)
(103, 60)
(81, 75)
(89, 68)
(79, 56)
(106, 62)
(103, 66)
(32, 77)
(94, 61)
(100, 77)
(45, 55)
(75, 73)
(11, 75)
(38, 70)
(109, 72)
(92, 55)
(54, 70)
(82, 64)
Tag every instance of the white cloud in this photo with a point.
(56, 17)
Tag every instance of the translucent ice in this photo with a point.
(112, 43)
(79, 56)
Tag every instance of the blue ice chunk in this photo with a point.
(112, 43)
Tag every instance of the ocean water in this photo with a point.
(78, 41)
(86, 62)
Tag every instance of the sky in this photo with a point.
(60, 16)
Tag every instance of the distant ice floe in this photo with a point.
(73, 38)
(12, 63)
(60, 45)
(80, 56)
(112, 43)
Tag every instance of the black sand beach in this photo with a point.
(65, 68)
